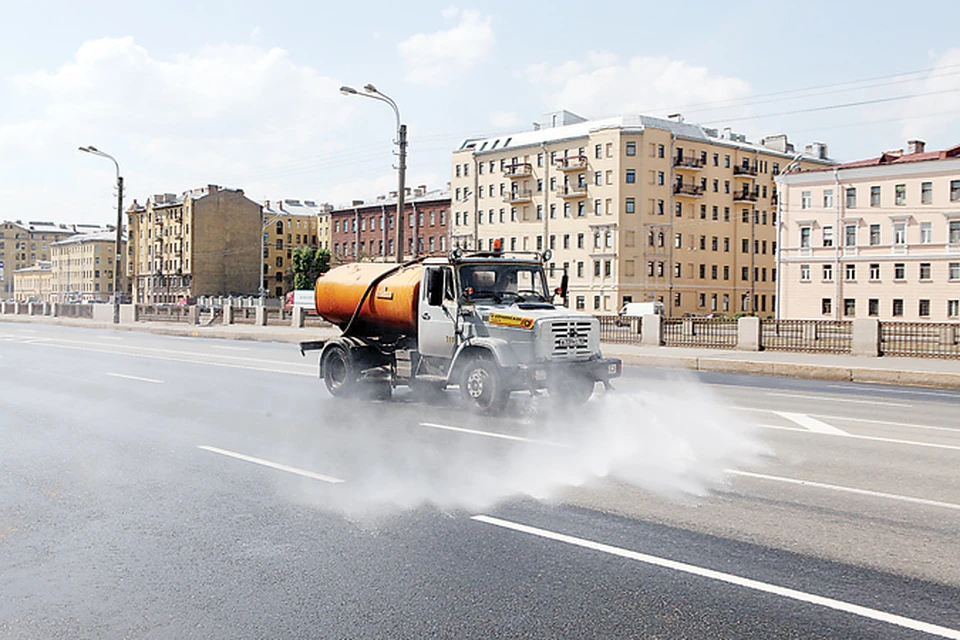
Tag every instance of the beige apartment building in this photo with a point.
(202, 242)
(24, 244)
(33, 284)
(633, 209)
(287, 225)
(82, 268)
(876, 238)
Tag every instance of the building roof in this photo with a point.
(431, 195)
(41, 266)
(897, 157)
(293, 207)
(638, 122)
(100, 236)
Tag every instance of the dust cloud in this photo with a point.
(672, 437)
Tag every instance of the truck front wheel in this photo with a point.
(482, 387)
(339, 374)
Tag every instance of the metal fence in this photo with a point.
(75, 311)
(620, 329)
(823, 336)
(920, 339)
(244, 315)
(278, 317)
(716, 333)
(163, 313)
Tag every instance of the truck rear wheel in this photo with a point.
(339, 372)
(482, 387)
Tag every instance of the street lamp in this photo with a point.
(372, 92)
(117, 264)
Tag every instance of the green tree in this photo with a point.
(308, 265)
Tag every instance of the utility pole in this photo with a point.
(118, 260)
(401, 190)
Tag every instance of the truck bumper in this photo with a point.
(538, 376)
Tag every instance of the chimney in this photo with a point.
(357, 203)
(393, 194)
(676, 117)
(916, 146)
(212, 188)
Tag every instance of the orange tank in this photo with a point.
(390, 308)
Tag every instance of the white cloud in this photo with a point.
(601, 84)
(505, 120)
(933, 117)
(434, 59)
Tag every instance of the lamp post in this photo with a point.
(117, 264)
(372, 92)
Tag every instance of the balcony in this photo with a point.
(688, 190)
(519, 196)
(519, 170)
(745, 196)
(573, 163)
(745, 172)
(573, 191)
(688, 163)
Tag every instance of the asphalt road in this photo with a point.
(159, 487)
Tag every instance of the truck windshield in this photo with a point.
(504, 282)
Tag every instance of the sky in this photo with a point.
(246, 94)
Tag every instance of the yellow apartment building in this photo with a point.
(82, 268)
(24, 244)
(633, 209)
(876, 238)
(202, 242)
(287, 225)
(32, 284)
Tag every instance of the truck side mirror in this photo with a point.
(562, 289)
(434, 287)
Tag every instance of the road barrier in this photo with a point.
(920, 339)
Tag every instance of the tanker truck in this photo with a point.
(483, 321)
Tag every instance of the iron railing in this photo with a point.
(920, 339)
(244, 315)
(278, 317)
(620, 329)
(163, 313)
(716, 333)
(822, 336)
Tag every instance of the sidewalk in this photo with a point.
(917, 372)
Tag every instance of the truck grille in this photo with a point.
(571, 339)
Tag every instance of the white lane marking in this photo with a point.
(834, 487)
(138, 378)
(110, 338)
(217, 346)
(272, 465)
(829, 399)
(493, 434)
(811, 424)
(747, 583)
(903, 391)
(911, 425)
(854, 436)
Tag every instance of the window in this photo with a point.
(826, 306)
(874, 234)
(661, 178)
(598, 151)
(851, 197)
(804, 237)
(631, 176)
(954, 190)
(897, 307)
(596, 268)
(660, 150)
(900, 233)
(874, 271)
(678, 208)
(874, 196)
(953, 308)
(954, 271)
(597, 208)
(828, 236)
(900, 195)
(631, 148)
(924, 270)
(828, 273)
(850, 272)
(596, 302)
(899, 271)
(805, 200)
(953, 232)
(849, 307)
(579, 269)
(745, 245)
(579, 241)
(850, 235)
(926, 192)
(744, 273)
(873, 307)
(630, 205)
(598, 178)
(923, 308)
(827, 198)
(926, 232)
(580, 300)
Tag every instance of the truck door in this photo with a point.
(435, 334)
